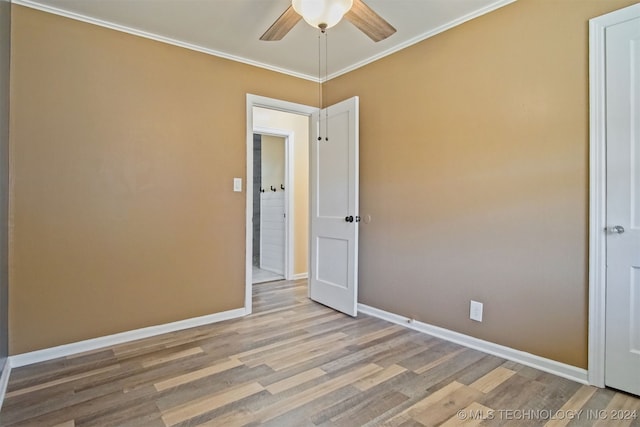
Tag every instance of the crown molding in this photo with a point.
(442, 28)
(152, 36)
(106, 24)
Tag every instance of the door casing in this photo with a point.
(273, 104)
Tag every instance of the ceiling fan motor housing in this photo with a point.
(325, 14)
(322, 14)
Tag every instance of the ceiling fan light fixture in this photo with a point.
(322, 14)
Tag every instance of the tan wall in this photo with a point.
(273, 157)
(474, 151)
(124, 152)
(474, 168)
(299, 125)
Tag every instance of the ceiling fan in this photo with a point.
(324, 14)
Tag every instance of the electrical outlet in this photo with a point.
(475, 311)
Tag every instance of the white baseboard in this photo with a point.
(300, 276)
(547, 365)
(120, 338)
(4, 380)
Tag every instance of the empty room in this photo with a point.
(319, 212)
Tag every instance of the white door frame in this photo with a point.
(289, 141)
(273, 104)
(597, 188)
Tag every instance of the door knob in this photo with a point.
(616, 229)
(348, 218)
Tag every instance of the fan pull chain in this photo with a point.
(320, 80)
(319, 86)
(326, 78)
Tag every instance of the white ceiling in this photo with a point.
(231, 28)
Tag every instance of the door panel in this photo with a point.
(622, 353)
(333, 271)
(333, 188)
(333, 275)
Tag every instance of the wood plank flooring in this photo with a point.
(297, 363)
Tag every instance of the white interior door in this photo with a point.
(622, 354)
(333, 267)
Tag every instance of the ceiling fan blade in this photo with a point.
(369, 22)
(282, 26)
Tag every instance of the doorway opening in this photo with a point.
(291, 122)
(270, 206)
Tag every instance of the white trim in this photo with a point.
(4, 380)
(299, 276)
(547, 365)
(120, 338)
(597, 188)
(273, 104)
(442, 28)
(106, 24)
(289, 163)
(597, 205)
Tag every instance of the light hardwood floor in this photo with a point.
(297, 363)
(261, 276)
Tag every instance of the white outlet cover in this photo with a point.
(475, 311)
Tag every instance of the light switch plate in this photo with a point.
(237, 184)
